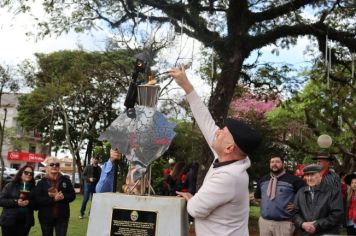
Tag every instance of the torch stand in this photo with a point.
(140, 215)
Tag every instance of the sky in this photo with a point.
(16, 46)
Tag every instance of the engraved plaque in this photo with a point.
(129, 222)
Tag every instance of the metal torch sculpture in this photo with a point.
(142, 133)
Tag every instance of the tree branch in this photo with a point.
(279, 11)
(177, 12)
(318, 29)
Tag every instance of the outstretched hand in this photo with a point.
(181, 79)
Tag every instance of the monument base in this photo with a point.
(126, 215)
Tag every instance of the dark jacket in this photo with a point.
(11, 211)
(89, 173)
(191, 182)
(46, 204)
(326, 209)
(173, 185)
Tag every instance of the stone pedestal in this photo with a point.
(123, 215)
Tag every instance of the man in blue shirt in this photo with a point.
(276, 191)
(106, 181)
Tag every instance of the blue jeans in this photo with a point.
(89, 189)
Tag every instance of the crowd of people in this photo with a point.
(318, 203)
(50, 196)
(180, 177)
(311, 205)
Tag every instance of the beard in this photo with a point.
(276, 171)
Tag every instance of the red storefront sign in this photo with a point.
(26, 156)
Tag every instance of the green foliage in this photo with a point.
(186, 146)
(83, 85)
(323, 107)
(233, 29)
(261, 156)
(157, 177)
(18, 144)
(102, 151)
(8, 83)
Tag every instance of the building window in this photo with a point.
(18, 128)
(15, 166)
(32, 148)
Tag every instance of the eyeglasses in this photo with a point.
(28, 173)
(54, 164)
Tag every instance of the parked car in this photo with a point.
(8, 174)
(38, 175)
(75, 183)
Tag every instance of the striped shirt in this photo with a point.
(332, 179)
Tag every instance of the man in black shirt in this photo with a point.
(91, 175)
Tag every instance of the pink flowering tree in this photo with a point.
(251, 108)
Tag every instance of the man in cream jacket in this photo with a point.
(221, 206)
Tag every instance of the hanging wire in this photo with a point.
(181, 35)
(352, 67)
(169, 30)
(212, 65)
(151, 28)
(352, 72)
(329, 67)
(193, 54)
(147, 23)
(326, 50)
(137, 21)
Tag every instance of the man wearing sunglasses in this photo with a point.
(221, 206)
(53, 194)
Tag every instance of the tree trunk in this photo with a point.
(88, 153)
(2, 130)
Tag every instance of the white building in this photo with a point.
(19, 147)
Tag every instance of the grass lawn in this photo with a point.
(253, 221)
(78, 227)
